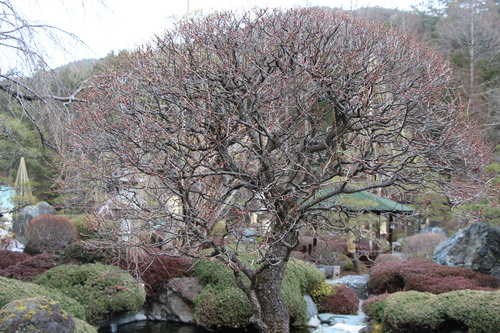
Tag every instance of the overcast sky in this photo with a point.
(106, 25)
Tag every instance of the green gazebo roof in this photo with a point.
(363, 201)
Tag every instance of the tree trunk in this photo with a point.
(274, 313)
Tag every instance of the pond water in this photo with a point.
(168, 327)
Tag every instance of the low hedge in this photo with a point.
(222, 303)
(28, 269)
(101, 289)
(11, 290)
(426, 276)
(476, 311)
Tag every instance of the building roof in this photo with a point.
(362, 201)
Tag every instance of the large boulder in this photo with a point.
(176, 303)
(37, 315)
(476, 248)
(26, 215)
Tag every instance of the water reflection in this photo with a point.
(167, 327)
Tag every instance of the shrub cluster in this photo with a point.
(426, 276)
(373, 307)
(421, 245)
(29, 268)
(11, 289)
(343, 300)
(156, 271)
(9, 258)
(101, 289)
(222, 303)
(49, 234)
(471, 310)
(86, 226)
(78, 253)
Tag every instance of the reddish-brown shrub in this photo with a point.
(342, 301)
(156, 271)
(49, 234)
(421, 245)
(9, 258)
(30, 268)
(424, 275)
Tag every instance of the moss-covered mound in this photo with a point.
(101, 289)
(476, 311)
(222, 303)
(11, 290)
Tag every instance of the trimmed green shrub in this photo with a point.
(218, 281)
(101, 289)
(412, 311)
(77, 252)
(475, 311)
(222, 307)
(85, 225)
(11, 289)
(320, 291)
(374, 306)
(49, 234)
(83, 327)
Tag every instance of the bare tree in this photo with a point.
(25, 77)
(470, 33)
(270, 113)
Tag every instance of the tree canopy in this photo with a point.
(232, 115)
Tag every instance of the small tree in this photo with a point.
(267, 113)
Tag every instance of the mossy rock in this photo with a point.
(11, 290)
(102, 289)
(37, 315)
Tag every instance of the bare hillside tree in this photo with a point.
(25, 76)
(470, 33)
(269, 113)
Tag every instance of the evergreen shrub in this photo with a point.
(77, 252)
(11, 289)
(213, 309)
(85, 226)
(475, 311)
(218, 306)
(49, 234)
(374, 306)
(102, 289)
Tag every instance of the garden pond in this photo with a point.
(169, 327)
